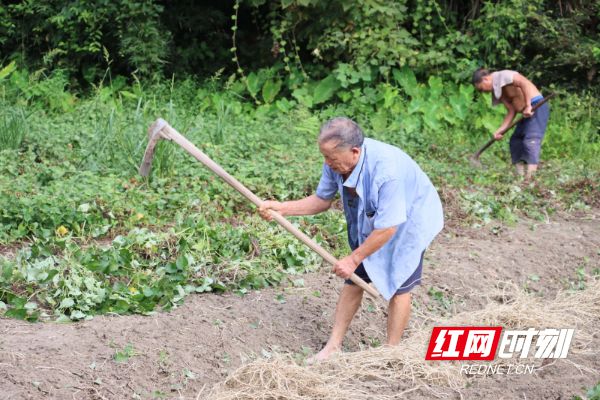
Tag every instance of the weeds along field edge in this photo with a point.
(90, 236)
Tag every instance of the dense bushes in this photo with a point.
(549, 40)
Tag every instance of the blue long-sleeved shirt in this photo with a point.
(392, 190)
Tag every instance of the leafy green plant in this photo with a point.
(125, 354)
(593, 393)
(92, 237)
(13, 127)
(444, 302)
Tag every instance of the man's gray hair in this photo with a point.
(343, 130)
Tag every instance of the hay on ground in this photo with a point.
(393, 372)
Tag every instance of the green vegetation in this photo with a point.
(297, 39)
(124, 355)
(592, 393)
(82, 233)
(93, 237)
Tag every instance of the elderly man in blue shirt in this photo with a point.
(393, 212)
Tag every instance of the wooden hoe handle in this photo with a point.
(515, 122)
(162, 130)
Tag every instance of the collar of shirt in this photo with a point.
(352, 180)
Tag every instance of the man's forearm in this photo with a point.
(374, 242)
(505, 123)
(508, 118)
(308, 206)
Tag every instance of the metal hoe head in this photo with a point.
(475, 162)
(155, 133)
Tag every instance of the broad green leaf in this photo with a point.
(4, 72)
(253, 82)
(67, 302)
(411, 123)
(407, 80)
(301, 94)
(284, 105)
(380, 120)
(487, 123)
(437, 86)
(390, 95)
(62, 319)
(182, 262)
(450, 116)
(466, 91)
(18, 313)
(75, 315)
(325, 89)
(460, 109)
(270, 90)
(286, 3)
(417, 105)
(431, 117)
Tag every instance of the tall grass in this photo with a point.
(13, 127)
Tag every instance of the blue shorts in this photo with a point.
(407, 286)
(526, 142)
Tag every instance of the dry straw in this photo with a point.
(392, 373)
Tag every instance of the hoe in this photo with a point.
(160, 129)
(474, 159)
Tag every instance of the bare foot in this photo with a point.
(323, 355)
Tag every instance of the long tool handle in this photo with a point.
(492, 140)
(162, 128)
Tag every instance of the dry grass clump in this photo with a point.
(515, 309)
(391, 373)
(346, 376)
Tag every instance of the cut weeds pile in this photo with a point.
(391, 373)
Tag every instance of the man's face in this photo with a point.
(341, 160)
(485, 85)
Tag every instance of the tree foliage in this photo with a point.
(355, 40)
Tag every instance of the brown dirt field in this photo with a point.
(184, 353)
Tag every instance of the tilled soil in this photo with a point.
(183, 353)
